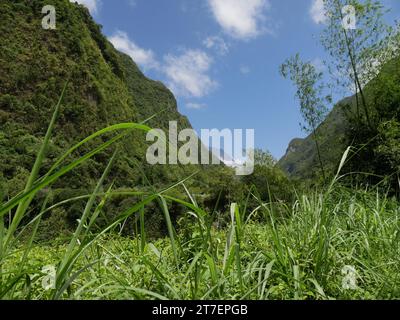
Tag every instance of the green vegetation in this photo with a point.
(82, 216)
(300, 255)
(375, 147)
(365, 59)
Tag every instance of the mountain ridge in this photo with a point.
(104, 87)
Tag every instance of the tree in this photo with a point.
(308, 82)
(264, 158)
(356, 39)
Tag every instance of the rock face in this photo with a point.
(293, 148)
(294, 145)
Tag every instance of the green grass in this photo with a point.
(298, 256)
(276, 251)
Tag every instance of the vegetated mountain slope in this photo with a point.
(105, 87)
(378, 145)
(301, 159)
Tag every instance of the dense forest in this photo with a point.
(84, 216)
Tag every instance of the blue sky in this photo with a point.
(221, 57)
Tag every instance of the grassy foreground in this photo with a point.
(300, 253)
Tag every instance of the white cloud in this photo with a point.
(317, 12)
(242, 19)
(187, 73)
(145, 58)
(92, 5)
(217, 43)
(195, 106)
